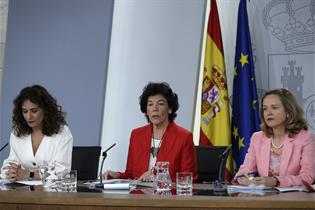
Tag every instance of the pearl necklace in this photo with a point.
(276, 146)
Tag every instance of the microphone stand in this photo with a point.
(4, 146)
(104, 154)
(223, 162)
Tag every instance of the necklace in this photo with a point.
(155, 150)
(276, 146)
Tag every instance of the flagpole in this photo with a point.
(197, 107)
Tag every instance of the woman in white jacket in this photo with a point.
(39, 136)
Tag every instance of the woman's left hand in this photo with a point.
(265, 180)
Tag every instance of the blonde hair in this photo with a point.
(295, 120)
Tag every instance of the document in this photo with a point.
(115, 184)
(25, 182)
(255, 188)
(250, 187)
(292, 189)
(259, 190)
(141, 184)
(122, 184)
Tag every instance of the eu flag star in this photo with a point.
(254, 103)
(243, 59)
(235, 132)
(240, 143)
(235, 71)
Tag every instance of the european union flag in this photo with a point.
(245, 104)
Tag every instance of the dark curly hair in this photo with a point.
(295, 120)
(54, 117)
(152, 89)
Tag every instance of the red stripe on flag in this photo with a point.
(214, 27)
(228, 175)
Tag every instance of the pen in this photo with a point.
(251, 174)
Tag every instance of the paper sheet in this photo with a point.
(292, 189)
(249, 187)
(117, 186)
(32, 182)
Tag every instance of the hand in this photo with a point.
(265, 180)
(15, 172)
(147, 177)
(110, 175)
(243, 179)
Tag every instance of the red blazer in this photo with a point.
(177, 148)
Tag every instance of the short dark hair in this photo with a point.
(295, 120)
(54, 117)
(163, 89)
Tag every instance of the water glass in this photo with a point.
(163, 179)
(69, 181)
(48, 175)
(184, 184)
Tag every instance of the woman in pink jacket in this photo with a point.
(283, 153)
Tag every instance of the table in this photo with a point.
(38, 200)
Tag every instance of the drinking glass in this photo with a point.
(48, 174)
(184, 184)
(69, 181)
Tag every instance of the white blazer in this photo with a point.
(56, 148)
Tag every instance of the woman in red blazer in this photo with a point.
(283, 153)
(160, 140)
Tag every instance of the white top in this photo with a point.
(153, 159)
(56, 148)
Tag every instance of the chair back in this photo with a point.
(211, 161)
(86, 160)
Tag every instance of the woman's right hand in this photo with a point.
(243, 179)
(110, 175)
(15, 172)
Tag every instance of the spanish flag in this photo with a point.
(215, 119)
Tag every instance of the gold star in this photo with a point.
(240, 143)
(244, 59)
(235, 71)
(254, 102)
(235, 132)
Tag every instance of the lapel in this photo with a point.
(146, 144)
(265, 156)
(168, 141)
(286, 154)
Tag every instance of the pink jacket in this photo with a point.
(297, 161)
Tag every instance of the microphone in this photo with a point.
(104, 154)
(4, 146)
(223, 157)
(226, 151)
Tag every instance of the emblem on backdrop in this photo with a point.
(292, 22)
